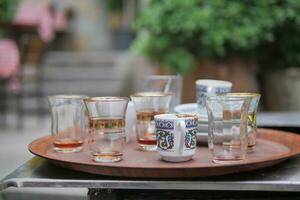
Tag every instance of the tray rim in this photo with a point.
(267, 162)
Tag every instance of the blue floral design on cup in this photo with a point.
(206, 86)
(190, 139)
(165, 139)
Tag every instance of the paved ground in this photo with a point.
(13, 152)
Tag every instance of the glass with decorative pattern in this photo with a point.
(106, 117)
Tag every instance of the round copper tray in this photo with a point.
(272, 147)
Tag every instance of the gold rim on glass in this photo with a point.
(226, 97)
(150, 94)
(241, 94)
(105, 99)
(68, 96)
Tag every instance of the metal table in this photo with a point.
(282, 179)
(284, 120)
(37, 172)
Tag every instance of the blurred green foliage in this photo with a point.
(175, 32)
(7, 9)
(115, 5)
(7, 12)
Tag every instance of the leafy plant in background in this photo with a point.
(284, 50)
(115, 5)
(7, 12)
(177, 32)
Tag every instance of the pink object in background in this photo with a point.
(60, 21)
(10, 63)
(37, 15)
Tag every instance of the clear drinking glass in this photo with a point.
(171, 84)
(68, 126)
(227, 127)
(252, 127)
(106, 116)
(147, 105)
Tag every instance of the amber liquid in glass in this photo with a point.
(148, 137)
(148, 115)
(68, 143)
(108, 155)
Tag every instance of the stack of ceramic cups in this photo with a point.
(204, 88)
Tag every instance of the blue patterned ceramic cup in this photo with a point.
(176, 136)
(205, 87)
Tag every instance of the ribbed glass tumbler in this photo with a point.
(68, 122)
(252, 127)
(227, 127)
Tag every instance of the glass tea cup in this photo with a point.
(227, 127)
(68, 122)
(147, 105)
(106, 116)
(251, 125)
(167, 84)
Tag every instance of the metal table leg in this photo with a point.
(103, 194)
(3, 103)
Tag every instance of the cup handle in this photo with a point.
(181, 130)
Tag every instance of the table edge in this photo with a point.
(280, 186)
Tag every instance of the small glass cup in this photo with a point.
(68, 126)
(252, 127)
(227, 127)
(147, 105)
(167, 84)
(106, 116)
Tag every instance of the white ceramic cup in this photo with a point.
(176, 136)
(205, 87)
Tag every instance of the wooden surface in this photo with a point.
(273, 146)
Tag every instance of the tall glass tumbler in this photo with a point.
(252, 127)
(167, 84)
(227, 127)
(106, 117)
(147, 105)
(68, 126)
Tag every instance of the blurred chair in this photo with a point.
(34, 27)
(30, 97)
(9, 72)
